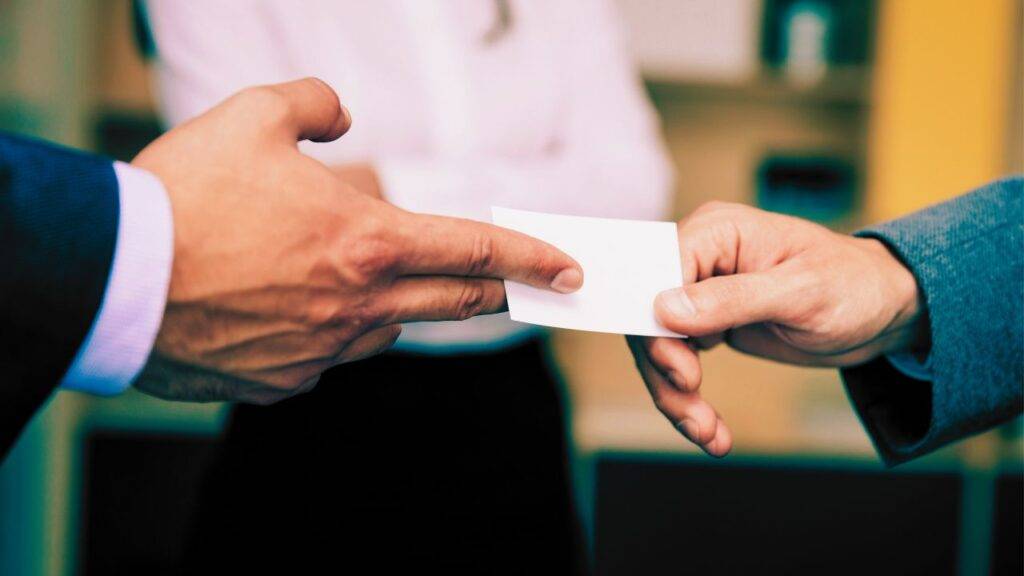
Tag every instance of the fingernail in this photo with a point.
(690, 429)
(677, 303)
(712, 449)
(568, 280)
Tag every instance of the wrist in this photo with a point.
(909, 325)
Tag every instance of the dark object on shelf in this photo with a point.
(143, 34)
(821, 188)
(850, 24)
(659, 515)
(122, 135)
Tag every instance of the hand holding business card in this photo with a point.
(626, 263)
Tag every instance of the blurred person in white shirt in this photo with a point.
(451, 451)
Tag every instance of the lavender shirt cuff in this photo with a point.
(122, 336)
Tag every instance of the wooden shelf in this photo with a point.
(845, 87)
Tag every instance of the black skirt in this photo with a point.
(398, 463)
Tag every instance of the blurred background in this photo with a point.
(843, 111)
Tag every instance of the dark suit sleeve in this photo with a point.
(967, 257)
(58, 227)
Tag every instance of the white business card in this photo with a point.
(626, 263)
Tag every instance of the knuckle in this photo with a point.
(481, 256)
(322, 86)
(712, 206)
(265, 103)
(370, 313)
(331, 325)
(470, 301)
(542, 266)
(660, 402)
(357, 324)
(727, 293)
(657, 350)
(371, 258)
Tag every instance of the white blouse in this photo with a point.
(549, 116)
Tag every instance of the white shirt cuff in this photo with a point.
(911, 366)
(125, 328)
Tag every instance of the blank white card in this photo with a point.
(626, 263)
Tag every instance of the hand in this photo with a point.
(281, 270)
(776, 287)
(361, 176)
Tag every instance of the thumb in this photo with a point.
(314, 111)
(721, 303)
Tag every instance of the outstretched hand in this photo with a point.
(282, 269)
(777, 287)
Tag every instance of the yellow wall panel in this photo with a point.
(940, 101)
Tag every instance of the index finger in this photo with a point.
(460, 247)
(689, 412)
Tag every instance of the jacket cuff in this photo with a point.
(966, 257)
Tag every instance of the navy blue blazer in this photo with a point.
(58, 227)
